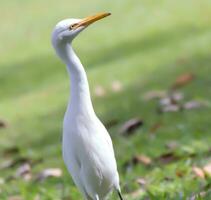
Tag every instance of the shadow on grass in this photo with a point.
(143, 44)
(129, 103)
(22, 77)
(18, 78)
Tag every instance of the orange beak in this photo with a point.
(89, 20)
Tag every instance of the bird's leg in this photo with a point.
(120, 195)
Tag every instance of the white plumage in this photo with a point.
(87, 147)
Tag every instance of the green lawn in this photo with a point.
(145, 45)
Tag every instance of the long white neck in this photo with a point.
(80, 100)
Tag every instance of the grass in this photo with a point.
(145, 45)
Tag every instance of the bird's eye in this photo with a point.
(72, 26)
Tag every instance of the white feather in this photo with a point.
(87, 147)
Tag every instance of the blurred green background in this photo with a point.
(145, 45)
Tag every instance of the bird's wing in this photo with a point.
(99, 170)
(100, 149)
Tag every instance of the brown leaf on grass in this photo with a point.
(198, 172)
(18, 161)
(154, 94)
(24, 171)
(175, 97)
(183, 80)
(141, 181)
(130, 126)
(169, 179)
(171, 108)
(137, 159)
(13, 163)
(180, 173)
(3, 124)
(99, 91)
(116, 86)
(11, 151)
(51, 172)
(6, 164)
(166, 101)
(15, 198)
(207, 169)
(165, 97)
(171, 102)
(167, 158)
(154, 128)
(143, 159)
(192, 105)
(172, 145)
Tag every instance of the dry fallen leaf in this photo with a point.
(180, 173)
(165, 101)
(18, 161)
(176, 96)
(171, 108)
(3, 124)
(116, 86)
(11, 151)
(142, 159)
(154, 94)
(130, 126)
(198, 172)
(15, 162)
(99, 91)
(15, 198)
(172, 145)
(171, 102)
(168, 157)
(207, 169)
(51, 172)
(155, 127)
(192, 105)
(24, 171)
(183, 80)
(141, 181)
(6, 164)
(137, 159)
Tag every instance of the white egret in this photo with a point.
(87, 147)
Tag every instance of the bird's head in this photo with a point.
(66, 30)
